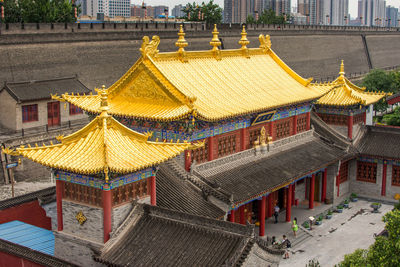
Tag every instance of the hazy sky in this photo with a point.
(171, 3)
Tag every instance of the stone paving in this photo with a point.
(344, 233)
(21, 188)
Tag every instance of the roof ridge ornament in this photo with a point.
(265, 42)
(215, 42)
(341, 72)
(244, 41)
(181, 43)
(150, 48)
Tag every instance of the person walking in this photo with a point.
(276, 212)
(295, 227)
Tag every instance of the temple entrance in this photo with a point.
(282, 198)
(53, 113)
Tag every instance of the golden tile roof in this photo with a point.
(211, 85)
(345, 93)
(104, 145)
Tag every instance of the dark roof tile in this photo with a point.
(46, 195)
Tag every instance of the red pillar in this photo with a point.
(210, 148)
(324, 182)
(243, 133)
(288, 203)
(269, 208)
(365, 117)
(384, 174)
(308, 120)
(272, 130)
(59, 193)
(294, 124)
(153, 196)
(232, 216)
(241, 215)
(293, 194)
(188, 160)
(311, 197)
(106, 214)
(350, 126)
(262, 216)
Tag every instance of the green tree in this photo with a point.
(270, 17)
(393, 118)
(380, 80)
(211, 13)
(385, 251)
(250, 20)
(36, 11)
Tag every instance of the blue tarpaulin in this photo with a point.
(29, 236)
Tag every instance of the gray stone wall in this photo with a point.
(340, 129)
(384, 50)
(8, 109)
(76, 250)
(92, 229)
(118, 214)
(51, 211)
(300, 191)
(366, 189)
(331, 189)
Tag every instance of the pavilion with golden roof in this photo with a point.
(347, 104)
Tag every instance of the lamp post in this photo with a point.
(256, 15)
(2, 13)
(345, 20)
(327, 20)
(361, 19)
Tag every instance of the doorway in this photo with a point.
(53, 113)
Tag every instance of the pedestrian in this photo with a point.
(276, 212)
(295, 227)
(273, 241)
(285, 245)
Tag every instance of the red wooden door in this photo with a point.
(53, 113)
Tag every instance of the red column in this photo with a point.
(243, 133)
(311, 197)
(273, 130)
(153, 196)
(262, 216)
(188, 160)
(324, 181)
(308, 120)
(294, 124)
(59, 193)
(350, 126)
(365, 117)
(293, 194)
(269, 208)
(210, 148)
(288, 203)
(232, 216)
(384, 174)
(106, 214)
(241, 215)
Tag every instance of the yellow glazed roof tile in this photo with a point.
(104, 145)
(345, 93)
(212, 85)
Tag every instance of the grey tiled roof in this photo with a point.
(159, 237)
(45, 196)
(32, 255)
(266, 174)
(39, 90)
(176, 193)
(380, 141)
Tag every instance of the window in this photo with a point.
(343, 172)
(396, 175)
(333, 119)
(127, 193)
(301, 123)
(366, 171)
(226, 145)
(359, 118)
(283, 129)
(200, 155)
(30, 113)
(83, 194)
(73, 110)
(253, 136)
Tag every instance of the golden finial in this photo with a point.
(244, 41)
(19, 161)
(181, 43)
(106, 174)
(215, 42)
(341, 68)
(104, 99)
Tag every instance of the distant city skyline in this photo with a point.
(171, 3)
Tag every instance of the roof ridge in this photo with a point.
(40, 81)
(10, 202)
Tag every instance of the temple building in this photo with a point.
(211, 140)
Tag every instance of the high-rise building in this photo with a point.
(392, 16)
(314, 10)
(340, 12)
(161, 11)
(373, 12)
(177, 11)
(110, 8)
(282, 7)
